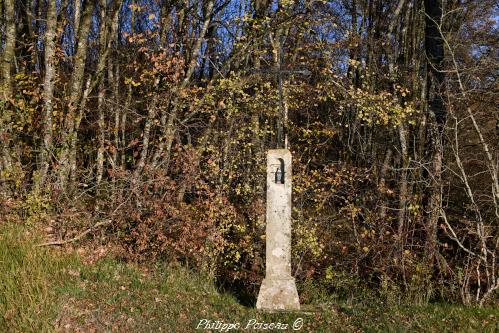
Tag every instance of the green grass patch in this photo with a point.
(30, 281)
(122, 297)
(42, 290)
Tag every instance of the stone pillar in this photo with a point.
(278, 290)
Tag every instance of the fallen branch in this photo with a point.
(74, 239)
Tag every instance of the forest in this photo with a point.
(138, 130)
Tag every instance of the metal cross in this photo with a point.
(282, 127)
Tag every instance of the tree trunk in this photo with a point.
(77, 12)
(9, 48)
(74, 98)
(166, 19)
(170, 125)
(403, 183)
(48, 92)
(27, 51)
(128, 103)
(146, 136)
(434, 47)
(101, 135)
(382, 180)
(114, 81)
(103, 30)
(6, 85)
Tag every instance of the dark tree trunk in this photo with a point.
(434, 47)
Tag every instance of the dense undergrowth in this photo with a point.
(46, 290)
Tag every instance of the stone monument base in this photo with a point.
(278, 294)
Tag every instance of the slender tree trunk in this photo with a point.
(77, 13)
(166, 20)
(101, 134)
(114, 80)
(48, 91)
(170, 125)
(1, 13)
(30, 9)
(105, 45)
(113, 77)
(3, 120)
(74, 98)
(128, 103)
(103, 29)
(353, 50)
(207, 62)
(162, 121)
(437, 114)
(27, 51)
(395, 76)
(382, 181)
(6, 85)
(74, 138)
(403, 182)
(8, 51)
(146, 136)
(4, 140)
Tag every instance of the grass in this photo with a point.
(45, 291)
(29, 281)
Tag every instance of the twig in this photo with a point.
(72, 240)
(454, 237)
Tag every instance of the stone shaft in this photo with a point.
(278, 290)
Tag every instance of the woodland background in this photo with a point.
(141, 126)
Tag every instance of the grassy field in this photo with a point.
(47, 290)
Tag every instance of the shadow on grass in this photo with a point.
(244, 294)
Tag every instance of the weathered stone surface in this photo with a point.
(278, 294)
(278, 290)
